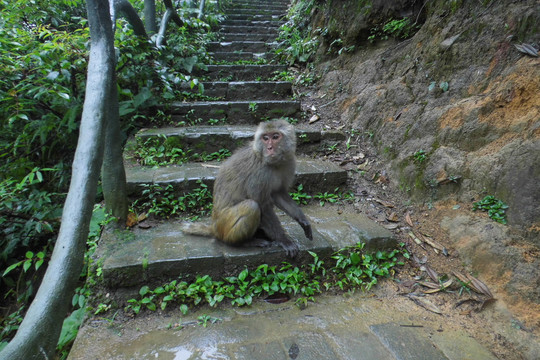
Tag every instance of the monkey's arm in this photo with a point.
(272, 228)
(283, 201)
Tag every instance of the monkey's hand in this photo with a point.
(307, 229)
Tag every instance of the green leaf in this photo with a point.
(27, 264)
(11, 267)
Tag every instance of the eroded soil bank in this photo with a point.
(462, 96)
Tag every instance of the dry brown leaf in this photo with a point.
(393, 217)
(384, 203)
(432, 274)
(132, 220)
(142, 217)
(480, 287)
(474, 284)
(391, 226)
(415, 238)
(314, 119)
(425, 303)
(436, 245)
(430, 284)
(408, 219)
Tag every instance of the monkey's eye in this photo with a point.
(276, 136)
(266, 137)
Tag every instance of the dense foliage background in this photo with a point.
(44, 48)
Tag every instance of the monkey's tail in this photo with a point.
(200, 229)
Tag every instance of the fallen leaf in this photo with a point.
(432, 274)
(393, 217)
(384, 203)
(131, 220)
(408, 219)
(527, 49)
(425, 303)
(314, 119)
(415, 238)
(391, 226)
(474, 284)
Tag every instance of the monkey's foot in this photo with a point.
(259, 242)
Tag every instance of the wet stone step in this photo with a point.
(245, 90)
(249, 29)
(256, 11)
(241, 72)
(246, 46)
(267, 38)
(214, 138)
(162, 252)
(256, 6)
(238, 112)
(232, 56)
(252, 17)
(315, 175)
(257, 23)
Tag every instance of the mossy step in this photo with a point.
(210, 139)
(249, 29)
(244, 46)
(257, 7)
(257, 11)
(314, 174)
(241, 72)
(232, 56)
(245, 90)
(257, 23)
(267, 38)
(162, 252)
(237, 112)
(259, 17)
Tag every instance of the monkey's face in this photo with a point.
(271, 143)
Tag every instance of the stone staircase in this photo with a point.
(244, 95)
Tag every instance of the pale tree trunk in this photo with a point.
(124, 8)
(150, 16)
(38, 334)
(113, 173)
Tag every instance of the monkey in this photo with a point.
(249, 184)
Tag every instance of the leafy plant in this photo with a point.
(163, 202)
(252, 106)
(299, 195)
(351, 268)
(495, 208)
(420, 156)
(398, 29)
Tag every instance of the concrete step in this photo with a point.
(235, 56)
(256, 6)
(359, 325)
(246, 90)
(315, 175)
(256, 23)
(241, 72)
(249, 29)
(210, 139)
(229, 37)
(252, 17)
(237, 112)
(168, 253)
(255, 11)
(243, 46)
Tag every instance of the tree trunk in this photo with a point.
(150, 16)
(125, 8)
(113, 173)
(38, 334)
